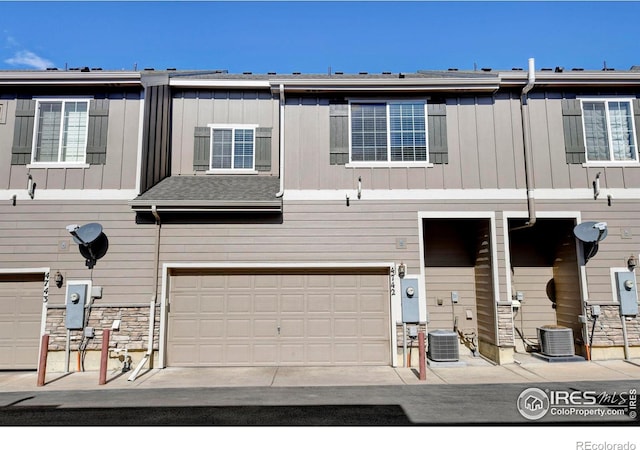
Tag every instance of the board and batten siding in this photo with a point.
(111, 154)
(484, 141)
(549, 156)
(196, 109)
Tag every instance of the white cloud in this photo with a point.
(29, 59)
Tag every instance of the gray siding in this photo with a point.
(112, 155)
(192, 109)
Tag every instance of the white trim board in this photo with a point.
(456, 194)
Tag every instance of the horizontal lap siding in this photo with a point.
(33, 234)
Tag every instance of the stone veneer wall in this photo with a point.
(608, 329)
(421, 327)
(506, 337)
(133, 333)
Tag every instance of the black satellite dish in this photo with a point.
(590, 234)
(93, 243)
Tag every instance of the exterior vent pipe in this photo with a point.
(526, 142)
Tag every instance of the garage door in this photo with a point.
(20, 315)
(279, 318)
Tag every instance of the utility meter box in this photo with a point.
(410, 308)
(627, 293)
(75, 303)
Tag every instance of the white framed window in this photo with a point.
(60, 131)
(388, 131)
(233, 147)
(609, 130)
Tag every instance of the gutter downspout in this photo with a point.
(154, 298)
(281, 142)
(526, 141)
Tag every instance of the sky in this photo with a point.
(318, 37)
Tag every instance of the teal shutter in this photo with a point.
(201, 148)
(263, 149)
(437, 133)
(573, 134)
(339, 134)
(23, 132)
(97, 133)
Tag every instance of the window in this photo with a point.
(389, 131)
(608, 130)
(232, 148)
(61, 131)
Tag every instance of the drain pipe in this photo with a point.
(154, 298)
(526, 141)
(281, 142)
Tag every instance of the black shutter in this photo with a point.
(573, 135)
(201, 148)
(97, 133)
(23, 132)
(339, 133)
(437, 131)
(263, 149)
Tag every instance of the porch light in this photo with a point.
(402, 270)
(632, 262)
(58, 279)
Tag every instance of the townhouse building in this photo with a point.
(216, 219)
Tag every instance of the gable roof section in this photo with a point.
(232, 193)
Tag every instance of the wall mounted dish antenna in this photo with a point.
(92, 242)
(590, 234)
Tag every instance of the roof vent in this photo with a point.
(150, 69)
(52, 68)
(271, 73)
(338, 73)
(96, 68)
(84, 69)
(296, 73)
(400, 75)
(559, 69)
(608, 69)
(519, 69)
(577, 69)
(452, 69)
(386, 73)
(635, 68)
(246, 73)
(546, 69)
(171, 69)
(486, 69)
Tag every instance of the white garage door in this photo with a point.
(279, 318)
(20, 315)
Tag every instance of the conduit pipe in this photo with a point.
(154, 298)
(281, 141)
(526, 142)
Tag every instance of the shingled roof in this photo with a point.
(191, 193)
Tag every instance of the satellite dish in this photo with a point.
(93, 243)
(590, 234)
(591, 231)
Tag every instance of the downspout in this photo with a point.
(154, 298)
(526, 141)
(281, 142)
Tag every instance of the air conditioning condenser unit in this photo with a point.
(556, 340)
(442, 345)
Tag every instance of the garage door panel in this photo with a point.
(7, 330)
(265, 328)
(239, 303)
(214, 303)
(372, 328)
(346, 328)
(319, 303)
(295, 318)
(211, 328)
(292, 328)
(292, 303)
(319, 328)
(346, 303)
(238, 328)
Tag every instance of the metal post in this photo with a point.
(624, 337)
(42, 366)
(67, 352)
(104, 355)
(423, 357)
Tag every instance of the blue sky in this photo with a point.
(315, 37)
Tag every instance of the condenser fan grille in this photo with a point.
(442, 345)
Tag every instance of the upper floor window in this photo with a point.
(61, 131)
(608, 130)
(388, 131)
(232, 147)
